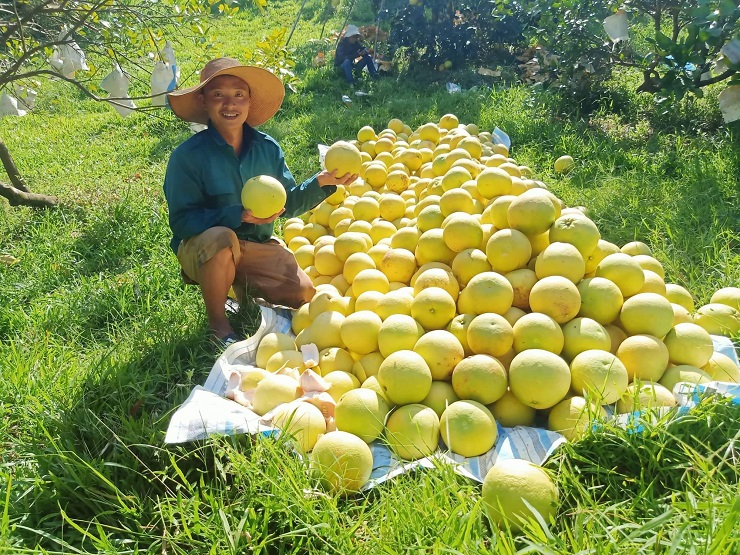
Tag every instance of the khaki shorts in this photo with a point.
(269, 269)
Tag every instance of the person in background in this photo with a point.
(218, 244)
(351, 54)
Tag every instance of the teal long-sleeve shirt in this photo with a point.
(204, 180)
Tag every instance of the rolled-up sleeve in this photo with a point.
(303, 197)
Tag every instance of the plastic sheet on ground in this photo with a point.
(206, 412)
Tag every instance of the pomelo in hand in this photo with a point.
(265, 196)
(512, 488)
(343, 157)
(341, 461)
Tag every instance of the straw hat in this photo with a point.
(351, 31)
(266, 92)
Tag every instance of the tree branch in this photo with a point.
(16, 197)
(11, 169)
(716, 79)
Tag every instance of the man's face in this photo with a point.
(354, 39)
(226, 100)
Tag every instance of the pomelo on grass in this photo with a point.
(341, 461)
(598, 374)
(264, 195)
(512, 488)
(468, 428)
(573, 416)
(644, 395)
(412, 431)
(510, 411)
(361, 412)
(405, 377)
(303, 421)
(539, 379)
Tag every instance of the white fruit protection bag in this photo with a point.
(207, 412)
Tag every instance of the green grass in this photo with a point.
(100, 340)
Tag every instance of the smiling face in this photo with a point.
(226, 100)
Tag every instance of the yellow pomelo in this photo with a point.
(511, 168)
(359, 332)
(490, 334)
(499, 208)
(538, 331)
(448, 121)
(265, 196)
(578, 230)
(312, 231)
(272, 391)
(624, 271)
(441, 395)
(456, 200)
(468, 263)
(437, 277)
(647, 262)
(344, 158)
(564, 164)
(442, 351)
(722, 368)
(370, 280)
(341, 383)
(472, 145)
(644, 395)
(293, 231)
(729, 296)
(636, 248)
(368, 300)
(405, 377)
(398, 265)
(486, 292)
(508, 250)
(301, 320)
(297, 242)
(510, 411)
(381, 229)
(532, 213)
(406, 238)
(304, 255)
(573, 417)
(462, 232)
(601, 300)
(349, 243)
(270, 344)
(430, 217)
(334, 358)
(512, 489)
(468, 428)
(599, 375)
(413, 431)
(644, 356)
(394, 302)
(392, 206)
(653, 284)
(398, 332)
(557, 297)
(433, 308)
(680, 296)
(683, 373)
(367, 366)
(560, 259)
(324, 330)
(718, 319)
(603, 249)
(361, 412)
(521, 281)
(290, 358)
(366, 133)
(355, 263)
(582, 334)
(681, 315)
(481, 378)
(429, 132)
(431, 247)
(646, 314)
(341, 461)
(513, 315)
(251, 377)
(617, 335)
(539, 379)
(376, 174)
(303, 421)
(458, 327)
(366, 209)
(455, 177)
(689, 344)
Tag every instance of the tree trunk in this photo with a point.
(17, 192)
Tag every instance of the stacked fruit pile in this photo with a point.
(454, 292)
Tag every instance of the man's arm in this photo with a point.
(186, 199)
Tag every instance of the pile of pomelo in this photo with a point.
(454, 291)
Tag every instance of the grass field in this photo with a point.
(100, 340)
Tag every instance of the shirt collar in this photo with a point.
(249, 134)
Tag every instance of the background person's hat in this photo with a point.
(351, 31)
(266, 92)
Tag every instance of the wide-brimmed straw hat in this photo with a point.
(351, 31)
(266, 92)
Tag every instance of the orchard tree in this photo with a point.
(45, 39)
